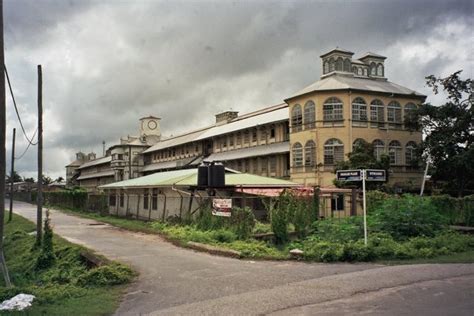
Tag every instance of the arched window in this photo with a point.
(360, 71)
(394, 112)
(347, 65)
(366, 73)
(309, 115)
(332, 65)
(333, 151)
(297, 151)
(380, 70)
(332, 110)
(326, 67)
(359, 142)
(410, 157)
(359, 110)
(354, 70)
(409, 108)
(395, 152)
(310, 153)
(373, 69)
(296, 118)
(339, 64)
(377, 116)
(379, 148)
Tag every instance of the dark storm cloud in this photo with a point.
(108, 63)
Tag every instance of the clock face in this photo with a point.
(152, 125)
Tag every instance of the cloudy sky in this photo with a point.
(108, 63)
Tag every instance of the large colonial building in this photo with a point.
(301, 139)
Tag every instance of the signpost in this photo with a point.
(222, 207)
(362, 175)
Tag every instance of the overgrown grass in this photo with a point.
(68, 286)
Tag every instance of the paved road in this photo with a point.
(175, 281)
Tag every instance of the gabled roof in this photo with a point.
(95, 162)
(188, 177)
(75, 163)
(370, 54)
(267, 115)
(337, 49)
(339, 82)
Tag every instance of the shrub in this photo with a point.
(112, 274)
(323, 251)
(242, 221)
(408, 216)
(375, 200)
(340, 230)
(207, 221)
(357, 251)
(224, 235)
(46, 257)
(301, 216)
(279, 216)
(261, 228)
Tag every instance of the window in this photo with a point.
(145, 199)
(246, 136)
(272, 132)
(332, 65)
(263, 134)
(394, 113)
(377, 116)
(360, 72)
(121, 199)
(112, 200)
(326, 67)
(347, 65)
(296, 118)
(332, 109)
(339, 64)
(273, 163)
(239, 138)
(196, 148)
(373, 69)
(380, 70)
(409, 108)
(333, 151)
(359, 142)
(395, 152)
(354, 70)
(310, 153)
(410, 154)
(263, 165)
(309, 115)
(337, 202)
(154, 199)
(359, 110)
(366, 72)
(224, 142)
(379, 148)
(231, 140)
(239, 165)
(254, 135)
(297, 155)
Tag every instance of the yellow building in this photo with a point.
(352, 102)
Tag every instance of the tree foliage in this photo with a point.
(16, 177)
(449, 130)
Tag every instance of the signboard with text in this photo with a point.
(349, 175)
(376, 175)
(222, 207)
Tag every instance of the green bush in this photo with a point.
(407, 217)
(301, 215)
(206, 221)
(224, 236)
(279, 216)
(46, 257)
(339, 230)
(242, 222)
(112, 274)
(375, 200)
(357, 251)
(323, 251)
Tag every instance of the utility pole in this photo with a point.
(103, 148)
(3, 123)
(39, 210)
(12, 177)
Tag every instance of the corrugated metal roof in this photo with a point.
(271, 114)
(97, 175)
(261, 150)
(192, 161)
(341, 82)
(188, 177)
(96, 162)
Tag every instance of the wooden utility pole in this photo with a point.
(3, 123)
(12, 177)
(39, 210)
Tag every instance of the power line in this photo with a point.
(16, 110)
(27, 147)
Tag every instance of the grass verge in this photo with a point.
(70, 285)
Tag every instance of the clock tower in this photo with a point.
(150, 126)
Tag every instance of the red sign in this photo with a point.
(222, 207)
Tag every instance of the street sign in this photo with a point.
(222, 207)
(376, 175)
(349, 175)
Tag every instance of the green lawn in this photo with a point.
(68, 286)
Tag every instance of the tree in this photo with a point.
(449, 130)
(363, 157)
(16, 177)
(31, 180)
(47, 180)
(59, 179)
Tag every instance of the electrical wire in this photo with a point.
(17, 113)
(26, 149)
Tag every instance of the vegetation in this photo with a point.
(63, 282)
(449, 131)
